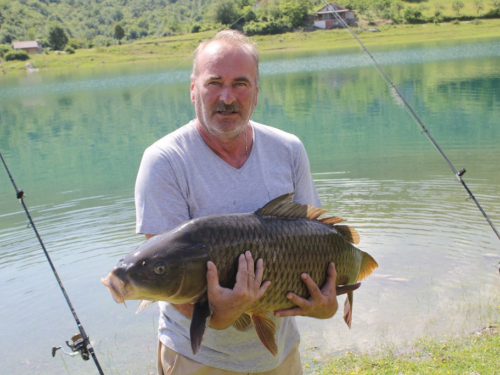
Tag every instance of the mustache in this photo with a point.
(221, 107)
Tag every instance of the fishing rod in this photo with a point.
(458, 174)
(80, 342)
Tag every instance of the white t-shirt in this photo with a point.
(181, 178)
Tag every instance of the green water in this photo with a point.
(74, 140)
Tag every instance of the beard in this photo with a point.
(220, 128)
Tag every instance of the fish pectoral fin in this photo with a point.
(143, 304)
(266, 330)
(348, 309)
(199, 322)
(243, 322)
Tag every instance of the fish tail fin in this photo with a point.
(348, 309)
(368, 265)
(266, 330)
(199, 322)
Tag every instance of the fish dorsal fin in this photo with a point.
(143, 304)
(331, 220)
(283, 206)
(348, 233)
(243, 322)
(368, 265)
(266, 330)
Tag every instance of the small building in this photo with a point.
(33, 46)
(325, 18)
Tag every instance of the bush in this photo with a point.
(4, 48)
(17, 55)
(44, 42)
(265, 28)
(492, 13)
(77, 43)
(413, 15)
(70, 50)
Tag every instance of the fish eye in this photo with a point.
(160, 268)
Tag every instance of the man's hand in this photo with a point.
(322, 304)
(229, 304)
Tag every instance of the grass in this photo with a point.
(181, 47)
(475, 354)
(445, 6)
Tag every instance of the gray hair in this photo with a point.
(235, 38)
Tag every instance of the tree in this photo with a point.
(225, 12)
(457, 6)
(57, 38)
(383, 8)
(295, 11)
(398, 6)
(479, 5)
(30, 34)
(119, 32)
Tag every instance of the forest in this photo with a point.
(89, 23)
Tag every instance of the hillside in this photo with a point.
(93, 22)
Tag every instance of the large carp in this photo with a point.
(289, 238)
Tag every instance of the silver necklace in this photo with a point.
(246, 145)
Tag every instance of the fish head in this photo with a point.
(168, 267)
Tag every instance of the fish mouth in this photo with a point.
(116, 287)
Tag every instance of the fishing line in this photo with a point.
(81, 343)
(402, 101)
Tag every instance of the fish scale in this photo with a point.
(310, 249)
(287, 236)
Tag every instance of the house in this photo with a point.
(325, 18)
(33, 46)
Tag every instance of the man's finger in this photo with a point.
(303, 303)
(212, 275)
(312, 287)
(259, 271)
(331, 277)
(242, 274)
(263, 288)
(250, 264)
(289, 312)
(302, 306)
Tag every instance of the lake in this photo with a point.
(73, 141)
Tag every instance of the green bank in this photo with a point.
(181, 47)
(476, 354)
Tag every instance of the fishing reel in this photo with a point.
(78, 347)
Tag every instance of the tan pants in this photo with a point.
(173, 363)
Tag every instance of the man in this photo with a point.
(222, 163)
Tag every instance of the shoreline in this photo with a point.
(180, 47)
(473, 353)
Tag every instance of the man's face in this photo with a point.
(224, 90)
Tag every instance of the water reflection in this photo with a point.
(74, 144)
